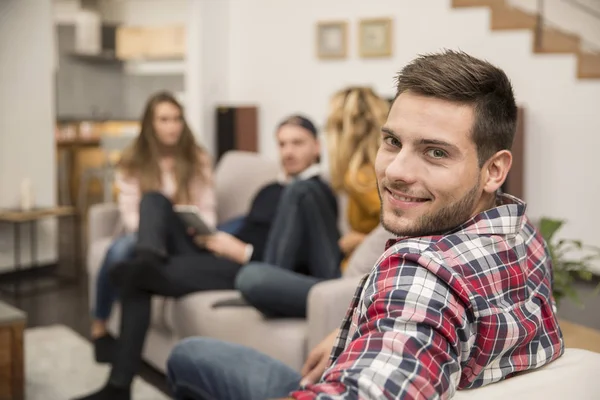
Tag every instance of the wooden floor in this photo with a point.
(69, 306)
(580, 337)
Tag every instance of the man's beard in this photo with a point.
(438, 222)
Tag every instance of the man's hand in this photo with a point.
(224, 245)
(317, 360)
(350, 241)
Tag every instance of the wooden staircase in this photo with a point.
(549, 41)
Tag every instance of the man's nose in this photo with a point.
(286, 150)
(403, 168)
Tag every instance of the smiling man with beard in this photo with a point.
(460, 299)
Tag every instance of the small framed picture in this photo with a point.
(332, 39)
(375, 38)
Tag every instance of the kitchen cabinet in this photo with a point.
(150, 43)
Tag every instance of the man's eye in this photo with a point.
(437, 153)
(392, 141)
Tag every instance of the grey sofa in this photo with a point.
(238, 176)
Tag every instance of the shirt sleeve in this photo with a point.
(408, 340)
(128, 200)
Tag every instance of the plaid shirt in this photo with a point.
(442, 313)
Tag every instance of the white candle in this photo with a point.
(26, 195)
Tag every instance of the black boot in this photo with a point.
(104, 349)
(109, 392)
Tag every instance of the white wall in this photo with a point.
(206, 83)
(272, 62)
(65, 11)
(566, 16)
(27, 117)
(144, 12)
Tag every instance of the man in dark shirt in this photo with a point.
(299, 152)
(277, 227)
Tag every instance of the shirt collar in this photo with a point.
(507, 218)
(310, 172)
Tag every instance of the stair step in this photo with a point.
(476, 3)
(555, 41)
(588, 65)
(503, 16)
(507, 17)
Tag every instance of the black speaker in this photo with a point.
(237, 129)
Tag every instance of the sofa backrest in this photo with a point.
(367, 253)
(238, 177)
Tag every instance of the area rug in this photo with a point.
(59, 365)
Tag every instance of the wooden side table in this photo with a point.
(12, 366)
(18, 218)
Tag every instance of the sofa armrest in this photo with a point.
(328, 303)
(102, 221)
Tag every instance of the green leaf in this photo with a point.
(570, 259)
(586, 275)
(548, 227)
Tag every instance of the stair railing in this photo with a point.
(542, 22)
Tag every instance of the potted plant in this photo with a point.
(571, 259)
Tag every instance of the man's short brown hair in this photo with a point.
(458, 77)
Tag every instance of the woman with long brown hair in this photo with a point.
(353, 136)
(163, 167)
(163, 154)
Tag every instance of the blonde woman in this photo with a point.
(353, 135)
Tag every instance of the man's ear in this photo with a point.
(496, 170)
(318, 149)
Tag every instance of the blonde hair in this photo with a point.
(356, 115)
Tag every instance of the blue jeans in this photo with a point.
(231, 226)
(209, 369)
(275, 291)
(121, 249)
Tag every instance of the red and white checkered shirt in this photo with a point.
(443, 313)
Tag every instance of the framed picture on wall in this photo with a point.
(332, 39)
(375, 37)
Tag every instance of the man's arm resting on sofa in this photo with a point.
(406, 345)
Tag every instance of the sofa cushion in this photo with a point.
(366, 255)
(95, 254)
(282, 339)
(572, 376)
(162, 313)
(238, 177)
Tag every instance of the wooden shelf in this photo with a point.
(102, 58)
(151, 43)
